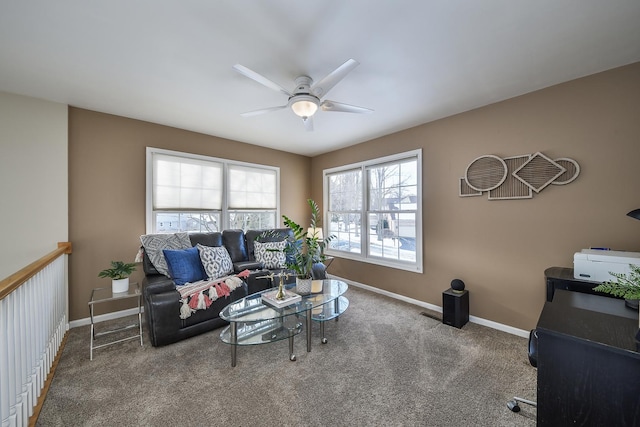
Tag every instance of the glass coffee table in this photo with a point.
(253, 321)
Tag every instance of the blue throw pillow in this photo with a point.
(184, 265)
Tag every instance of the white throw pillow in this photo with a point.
(270, 259)
(215, 260)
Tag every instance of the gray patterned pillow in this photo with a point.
(215, 260)
(267, 256)
(154, 244)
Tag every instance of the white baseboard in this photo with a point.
(437, 308)
(104, 317)
(432, 307)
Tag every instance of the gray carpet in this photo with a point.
(385, 364)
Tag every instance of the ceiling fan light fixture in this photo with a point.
(304, 105)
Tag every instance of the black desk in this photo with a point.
(588, 364)
(562, 278)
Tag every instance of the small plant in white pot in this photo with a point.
(119, 274)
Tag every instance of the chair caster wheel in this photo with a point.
(292, 358)
(324, 341)
(513, 405)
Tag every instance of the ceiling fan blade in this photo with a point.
(343, 108)
(260, 79)
(308, 123)
(262, 111)
(323, 86)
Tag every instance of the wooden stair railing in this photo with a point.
(31, 337)
(14, 281)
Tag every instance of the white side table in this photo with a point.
(100, 295)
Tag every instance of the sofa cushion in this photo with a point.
(215, 260)
(233, 240)
(184, 265)
(207, 239)
(154, 244)
(270, 253)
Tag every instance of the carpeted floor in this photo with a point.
(385, 364)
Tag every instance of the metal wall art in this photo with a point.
(515, 177)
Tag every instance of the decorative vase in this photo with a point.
(120, 285)
(303, 286)
(316, 286)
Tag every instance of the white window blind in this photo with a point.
(252, 188)
(181, 183)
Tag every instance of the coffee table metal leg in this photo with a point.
(234, 342)
(292, 357)
(336, 306)
(324, 340)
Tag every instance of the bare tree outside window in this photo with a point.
(373, 210)
(392, 208)
(173, 222)
(345, 210)
(252, 220)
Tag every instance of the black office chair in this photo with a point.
(533, 359)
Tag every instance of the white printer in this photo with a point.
(595, 264)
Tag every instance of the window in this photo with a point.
(188, 192)
(374, 209)
(253, 195)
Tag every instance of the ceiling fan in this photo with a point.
(307, 96)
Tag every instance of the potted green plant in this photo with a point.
(119, 274)
(625, 285)
(305, 248)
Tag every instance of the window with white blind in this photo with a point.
(374, 209)
(193, 193)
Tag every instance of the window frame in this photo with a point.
(364, 256)
(224, 211)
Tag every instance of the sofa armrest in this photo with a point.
(241, 266)
(162, 310)
(258, 281)
(157, 284)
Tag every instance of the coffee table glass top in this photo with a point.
(252, 309)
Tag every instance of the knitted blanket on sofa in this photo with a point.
(201, 294)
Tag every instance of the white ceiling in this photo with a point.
(170, 62)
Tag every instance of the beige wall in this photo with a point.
(33, 180)
(107, 189)
(501, 248)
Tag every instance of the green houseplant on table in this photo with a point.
(119, 274)
(305, 248)
(625, 285)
